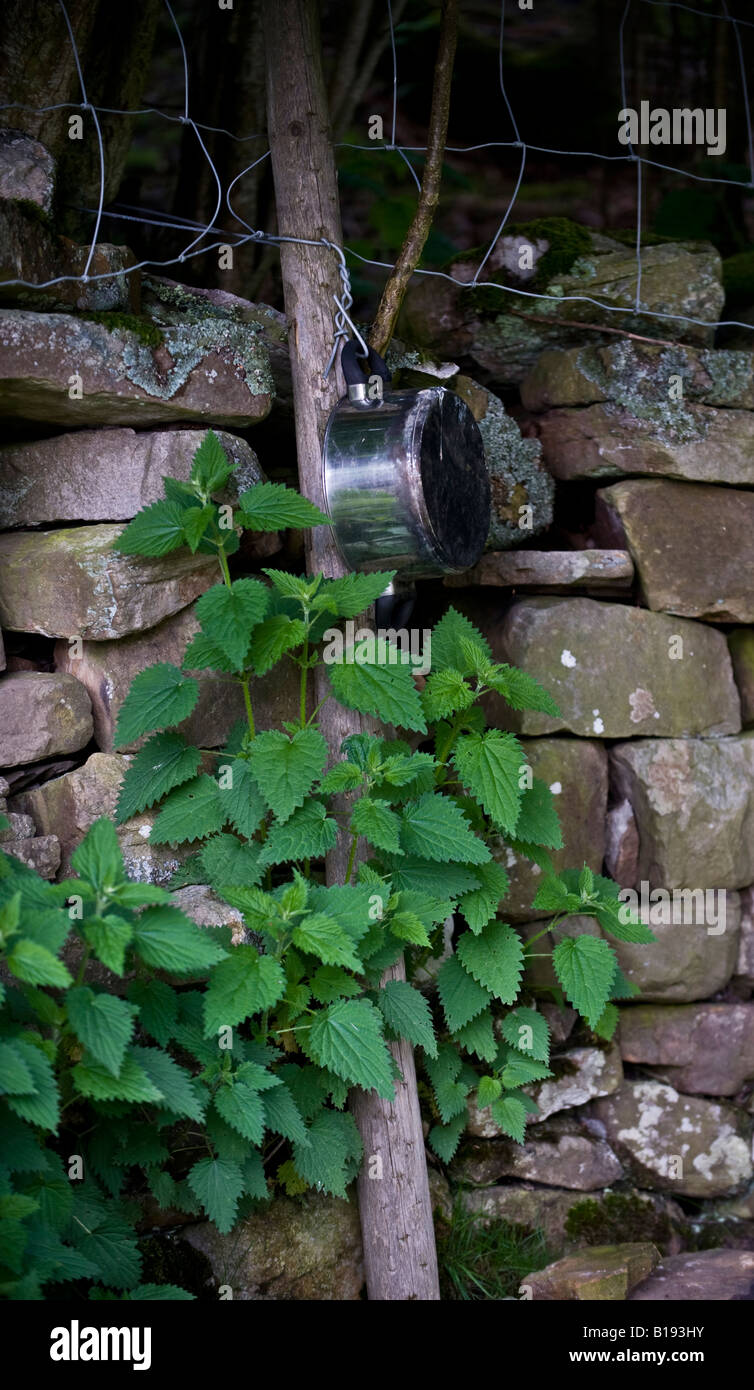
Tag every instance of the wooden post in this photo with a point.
(395, 1209)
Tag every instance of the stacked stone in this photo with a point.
(652, 768)
(105, 386)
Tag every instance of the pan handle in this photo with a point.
(354, 373)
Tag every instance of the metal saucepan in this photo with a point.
(405, 481)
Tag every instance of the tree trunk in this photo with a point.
(396, 1214)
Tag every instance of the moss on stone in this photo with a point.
(146, 331)
(567, 253)
(618, 1218)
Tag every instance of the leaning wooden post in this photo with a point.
(395, 1208)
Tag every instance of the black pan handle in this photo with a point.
(354, 373)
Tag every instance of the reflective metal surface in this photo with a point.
(406, 484)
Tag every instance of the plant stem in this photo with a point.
(351, 857)
(247, 702)
(224, 566)
(304, 674)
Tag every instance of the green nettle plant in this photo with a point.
(217, 1071)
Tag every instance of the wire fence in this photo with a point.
(342, 322)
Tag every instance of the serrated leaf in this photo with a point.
(308, 834)
(282, 1116)
(347, 1039)
(94, 1080)
(489, 765)
(495, 959)
(489, 1089)
(323, 937)
(620, 922)
(407, 1012)
(35, 965)
(478, 1037)
(109, 938)
(167, 939)
(382, 687)
(241, 986)
(329, 983)
(528, 1031)
(462, 997)
(323, 1162)
(585, 967)
(444, 1139)
(227, 862)
(437, 880)
(607, 1023)
(165, 761)
(408, 926)
(203, 654)
(448, 1083)
(243, 1108)
(272, 638)
(377, 823)
(103, 1023)
(538, 821)
(211, 467)
(350, 595)
(341, 777)
(435, 828)
(179, 1095)
(155, 530)
(274, 507)
(98, 859)
(42, 1107)
(228, 615)
(509, 1113)
(520, 690)
(482, 903)
(158, 1008)
(158, 698)
(285, 767)
(447, 642)
(15, 1075)
(293, 586)
(553, 896)
(240, 799)
(445, 693)
(218, 1183)
(519, 1070)
(622, 987)
(189, 813)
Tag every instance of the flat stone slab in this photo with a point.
(640, 377)
(708, 1276)
(106, 670)
(208, 369)
(705, 1049)
(548, 570)
(575, 770)
(692, 546)
(580, 1161)
(569, 1218)
(42, 714)
(42, 853)
(603, 1273)
(693, 802)
(695, 443)
(674, 1143)
(616, 671)
(72, 582)
(105, 475)
(587, 1072)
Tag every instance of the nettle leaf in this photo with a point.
(103, 1023)
(189, 813)
(158, 1008)
(482, 903)
(179, 1092)
(308, 834)
(518, 1070)
(109, 938)
(35, 965)
(495, 959)
(282, 1116)
(489, 1089)
(228, 862)
(274, 507)
(509, 1113)
(528, 1031)
(377, 823)
(407, 1012)
(298, 587)
(489, 765)
(347, 1039)
(350, 595)
(218, 1183)
(155, 530)
(585, 967)
(438, 880)
(478, 1037)
(538, 821)
(203, 654)
(382, 687)
(448, 637)
(330, 983)
(211, 467)
(607, 1022)
(42, 1106)
(462, 997)
(228, 615)
(165, 761)
(98, 858)
(408, 926)
(450, 1089)
(15, 1076)
(444, 694)
(240, 799)
(93, 1080)
(243, 1108)
(326, 1161)
(617, 919)
(167, 939)
(553, 896)
(435, 828)
(520, 690)
(323, 937)
(444, 1139)
(341, 777)
(285, 767)
(272, 638)
(241, 986)
(623, 988)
